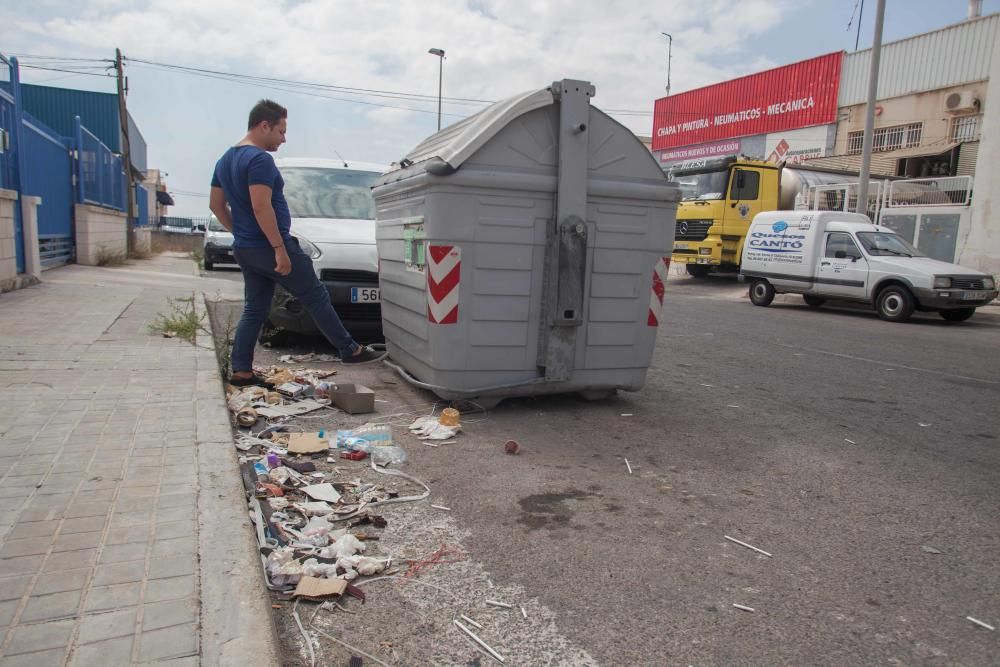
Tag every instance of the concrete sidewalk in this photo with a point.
(123, 532)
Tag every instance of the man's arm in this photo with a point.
(260, 198)
(217, 204)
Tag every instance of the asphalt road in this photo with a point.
(862, 455)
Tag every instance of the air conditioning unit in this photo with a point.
(961, 102)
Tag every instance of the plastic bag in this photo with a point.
(385, 455)
(348, 545)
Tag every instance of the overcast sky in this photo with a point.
(495, 48)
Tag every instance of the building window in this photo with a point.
(965, 128)
(887, 138)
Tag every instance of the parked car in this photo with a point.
(333, 217)
(178, 225)
(218, 245)
(842, 256)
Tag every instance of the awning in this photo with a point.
(883, 163)
(163, 197)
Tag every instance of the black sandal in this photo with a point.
(252, 381)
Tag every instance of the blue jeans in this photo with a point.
(259, 279)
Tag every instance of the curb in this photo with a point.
(237, 627)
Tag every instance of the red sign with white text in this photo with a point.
(784, 98)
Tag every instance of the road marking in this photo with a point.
(880, 362)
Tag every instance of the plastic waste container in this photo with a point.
(524, 250)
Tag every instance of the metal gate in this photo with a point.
(49, 175)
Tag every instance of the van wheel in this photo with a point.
(958, 314)
(761, 293)
(209, 265)
(697, 270)
(895, 304)
(813, 301)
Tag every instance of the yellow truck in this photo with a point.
(720, 198)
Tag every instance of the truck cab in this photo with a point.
(831, 255)
(720, 196)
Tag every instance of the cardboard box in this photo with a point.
(353, 398)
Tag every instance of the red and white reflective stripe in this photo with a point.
(656, 293)
(444, 265)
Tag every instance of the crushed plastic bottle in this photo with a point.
(385, 455)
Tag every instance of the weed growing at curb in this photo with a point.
(109, 257)
(183, 320)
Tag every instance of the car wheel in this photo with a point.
(813, 301)
(209, 265)
(958, 314)
(697, 270)
(761, 293)
(894, 304)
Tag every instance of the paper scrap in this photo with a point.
(316, 588)
(290, 410)
(324, 492)
(306, 443)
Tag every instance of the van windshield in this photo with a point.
(318, 192)
(707, 185)
(885, 243)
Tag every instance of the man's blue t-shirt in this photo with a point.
(238, 169)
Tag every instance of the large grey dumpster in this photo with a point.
(524, 251)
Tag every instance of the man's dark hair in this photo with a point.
(267, 111)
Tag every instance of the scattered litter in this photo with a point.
(929, 549)
(980, 623)
(744, 608)
(441, 507)
(922, 424)
(324, 492)
(471, 622)
(430, 444)
(489, 582)
(890, 369)
(246, 416)
(512, 447)
(306, 443)
(432, 428)
(850, 442)
(732, 406)
(479, 641)
(415, 567)
(748, 546)
(314, 588)
(629, 466)
(352, 398)
(499, 604)
(524, 612)
(449, 442)
(626, 414)
(169, 334)
(449, 417)
(291, 410)
(707, 385)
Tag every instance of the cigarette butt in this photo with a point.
(629, 466)
(626, 414)
(850, 442)
(524, 612)
(277, 606)
(471, 622)
(499, 604)
(739, 606)
(429, 444)
(732, 406)
(479, 641)
(441, 507)
(980, 623)
(489, 582)
(748, 546)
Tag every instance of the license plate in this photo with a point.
(974, 296)
(365, 295)
(681, 246)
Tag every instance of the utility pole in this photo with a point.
(126, 151)
(670, 49)
(866, 146)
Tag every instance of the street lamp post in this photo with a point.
(440, 54)
(670, 48)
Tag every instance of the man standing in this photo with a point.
(247, 197)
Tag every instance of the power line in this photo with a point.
(71, 71)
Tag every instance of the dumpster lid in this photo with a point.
(445, 151)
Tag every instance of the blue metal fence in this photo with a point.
(48, 173)
(100, 177)
(142, 206)
(14, 153)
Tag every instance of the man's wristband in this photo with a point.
(275, 247)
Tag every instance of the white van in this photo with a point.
(832, 255)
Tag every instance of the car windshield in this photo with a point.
(885, 243)
(707, 185)
(215, 226)
(317, 192)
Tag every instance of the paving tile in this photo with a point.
(170, 589)
(175, 547)
(175, 642)
(128, 519)
(102, 598)
(41, 514)
(13, 588)
(167, 614)
(82, 525)
(39, 637)
(7, 610)
(68, 580)
(119, 573)
(50, 658)
(53, 607)
(127, 535)
(34, 529)
(174, 529)
(20, 565)
(76, 541)
(120, 553)
(98, 508)
(107, 625)
(69, 560)
(108, 652)
(31, 546)
(188, 501)
(174, 566)
(147, 505)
